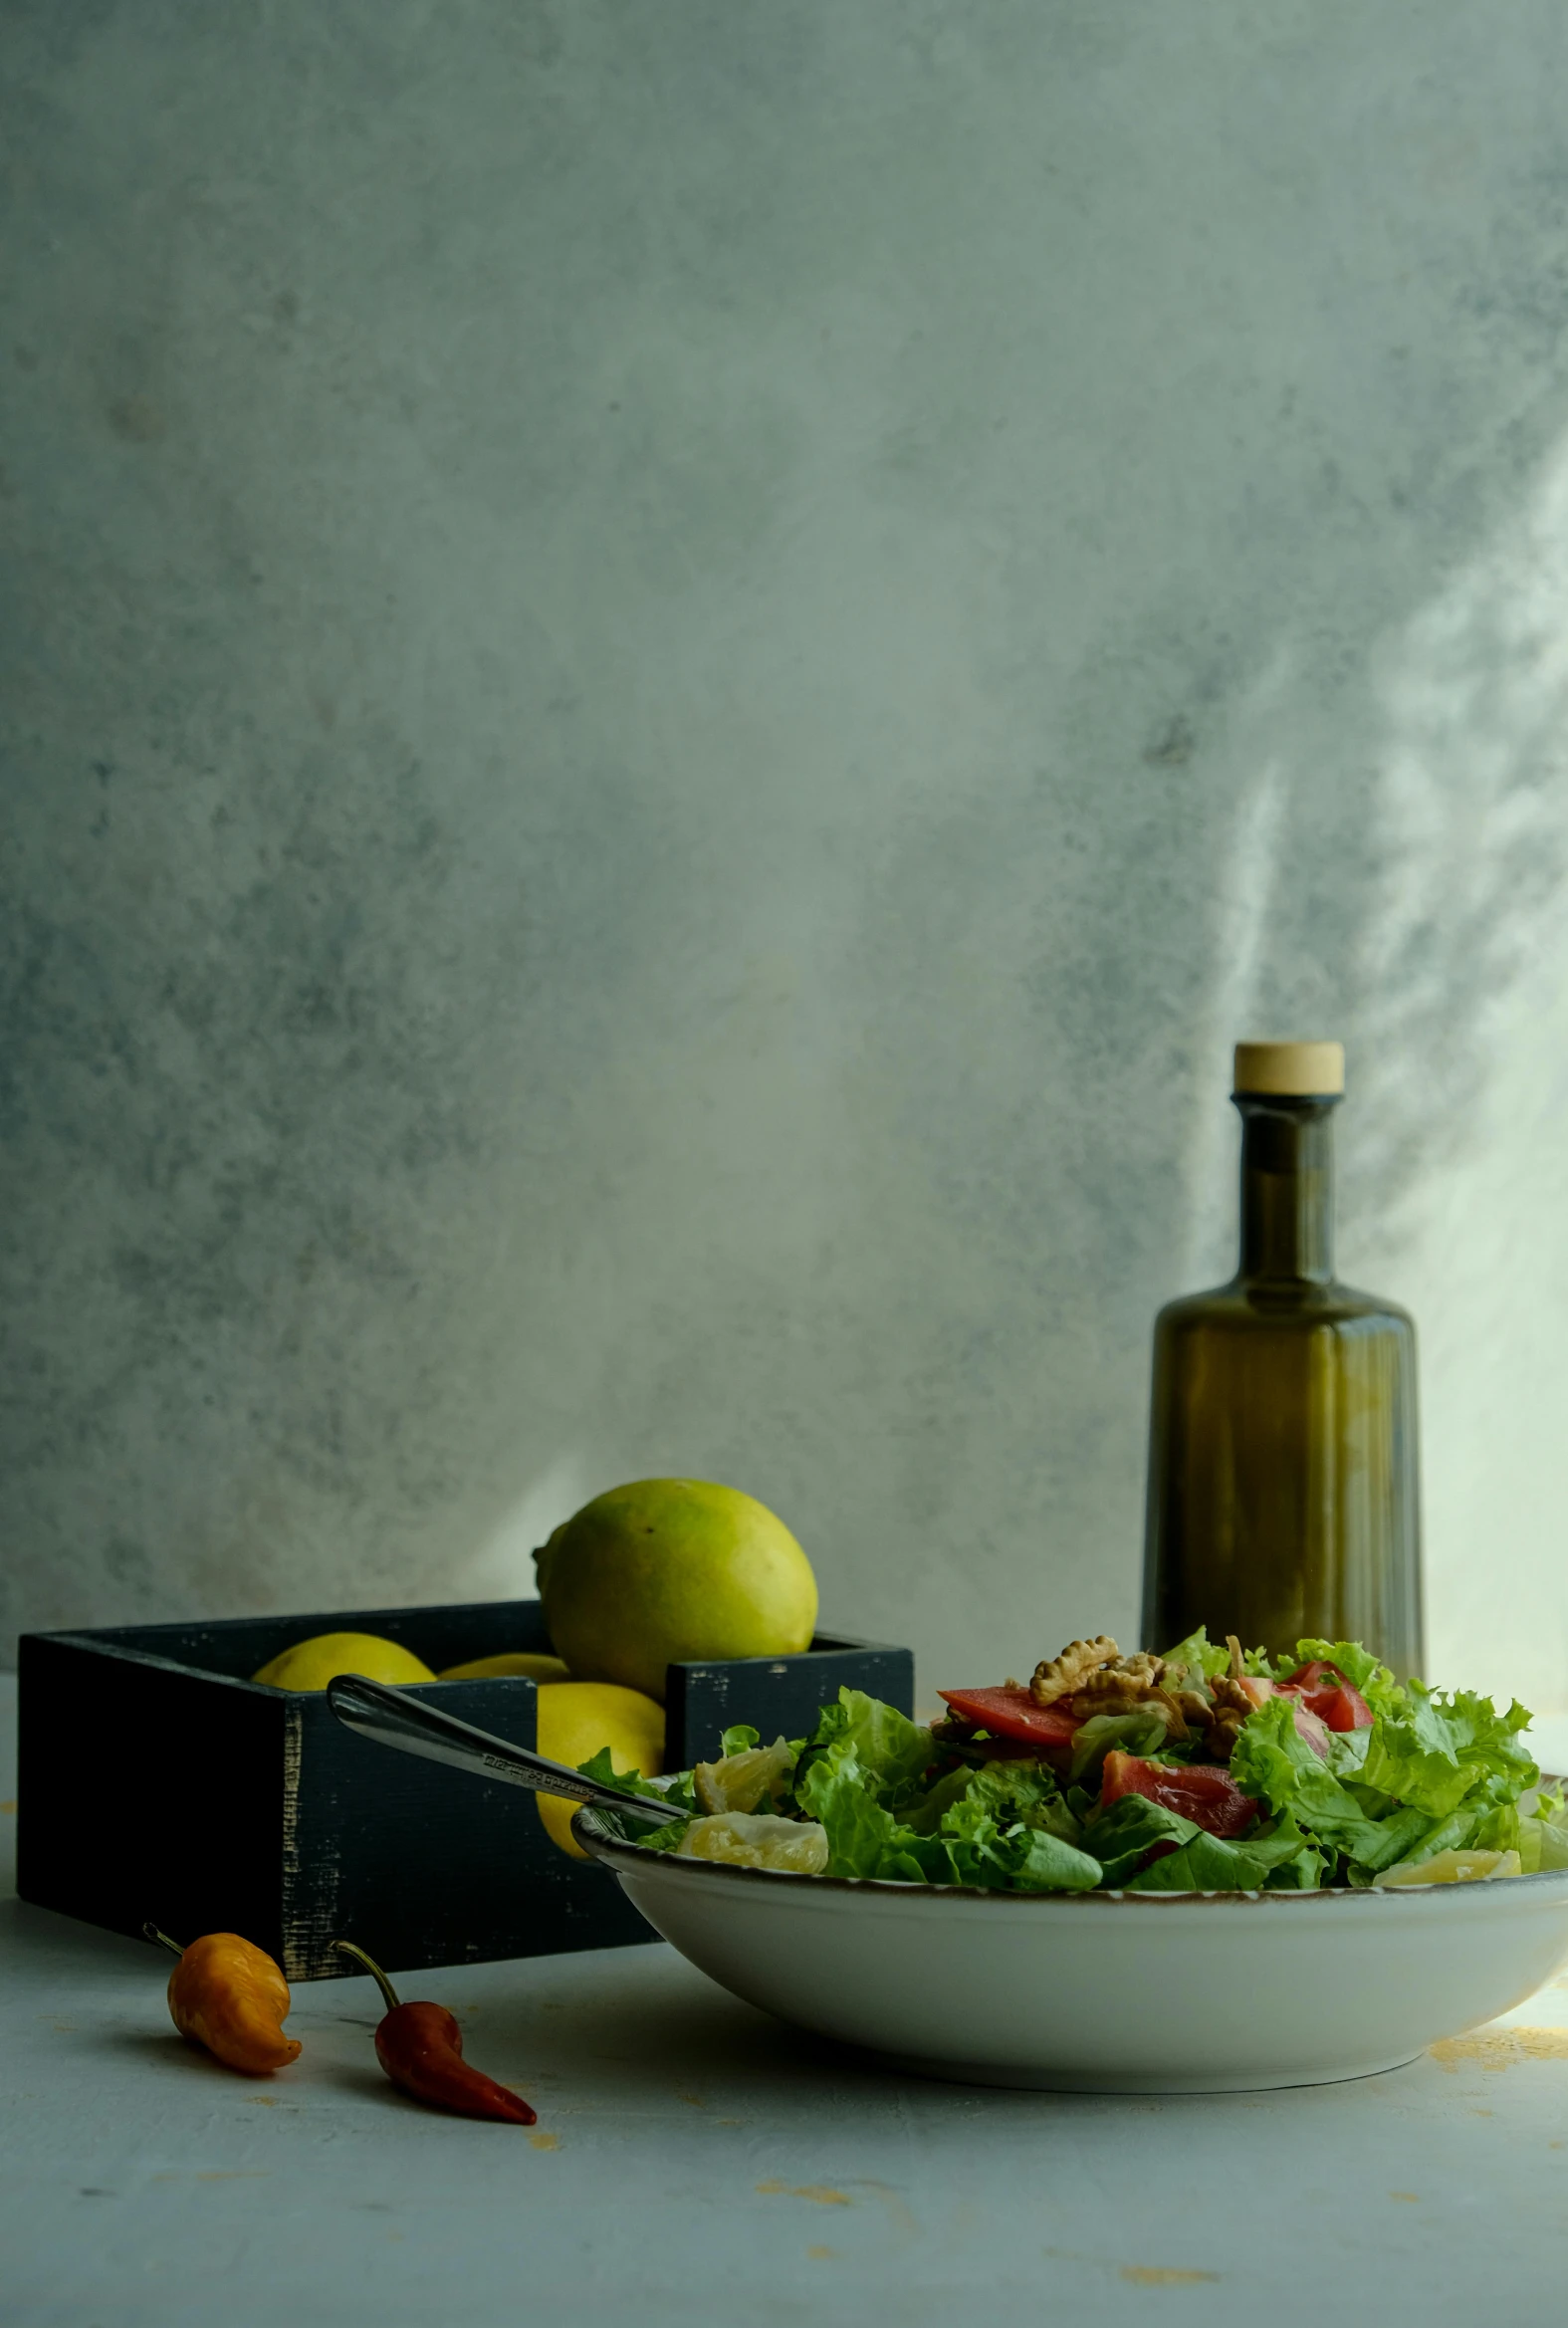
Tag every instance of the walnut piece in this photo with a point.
(1194, 1707)
(1066, 1673)
(1111, 1689)
(1231, 1707)
(1231, 1696)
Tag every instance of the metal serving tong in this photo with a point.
(393, 1719)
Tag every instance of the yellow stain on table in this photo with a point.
(7, 1809)
(1409, 2197)
(822, 2255)
(542, 2141)
(821, 2194)
(1161, 2275)
(1494, 2049)
(898, 2213)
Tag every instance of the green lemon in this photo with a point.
(575, 1719)
(531, 1664)
(666, 1570)
(311, 1665)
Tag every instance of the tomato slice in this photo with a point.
(1206, 1794)
(1341, 1708)
(1319, 1674)
(1012, 1713)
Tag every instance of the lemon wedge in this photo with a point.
(1449, 1867)
(789, 1846)
(742, 1781)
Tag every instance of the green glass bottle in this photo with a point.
(1283, 1466)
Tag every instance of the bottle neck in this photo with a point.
(1287, 1188)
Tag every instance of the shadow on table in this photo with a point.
(669, 2027)
(36, 1935)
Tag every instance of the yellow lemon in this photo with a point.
(533, 1665)
(311, 1665)
(664, 1570)
(575, 1719)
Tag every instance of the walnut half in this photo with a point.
(1066, 1673)
(1112, 1688)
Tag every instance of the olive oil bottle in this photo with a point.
(1283, 1471)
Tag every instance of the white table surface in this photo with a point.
(696, 2163)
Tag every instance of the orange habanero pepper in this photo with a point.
(229, 1995)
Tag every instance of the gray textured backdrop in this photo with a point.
(670, 676)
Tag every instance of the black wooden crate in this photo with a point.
(158, 1781)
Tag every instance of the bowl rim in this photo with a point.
(600, 1844)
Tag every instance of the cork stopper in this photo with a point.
(1290, 1071)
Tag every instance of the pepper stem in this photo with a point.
(375, 1970)
(152, 1932)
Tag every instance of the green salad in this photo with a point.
(1206, 1770)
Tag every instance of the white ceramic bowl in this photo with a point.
(1107, 1992)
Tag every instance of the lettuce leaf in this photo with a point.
(859, 1829)
(1289, 1858)
(1199, 1652)
(999, 1825)
(1009, 1791)
(666, 1838)
(1440, 1748)
(1026, 1794)
(1204, 1863)
(1543, 1830)
(889, 1750)
(1122, 1837)
(1139, 1732)
(1271, 1759)
(1402, 1836)
(863, 1755)
(974, 1849)
(1049, 1864)
(604, 1774)
(1359, 1667)
(1457, 1832)
(1433, 1773)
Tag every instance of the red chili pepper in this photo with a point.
(420, 2046)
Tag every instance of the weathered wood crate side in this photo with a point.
(425, 1862)
(158, 1781)
(147, 1790)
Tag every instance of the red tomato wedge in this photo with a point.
(1209, 1797)
(1323, 1690)
(1341, 1708)
(1012, 1713)
(1319, 1674)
